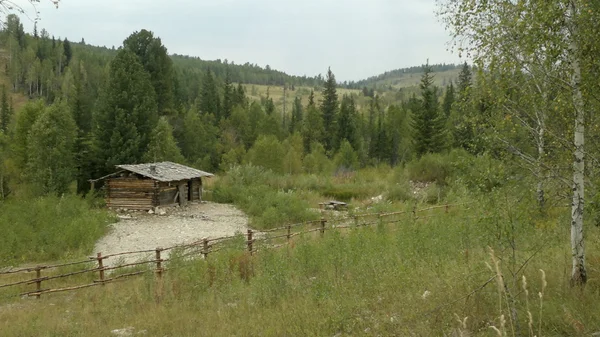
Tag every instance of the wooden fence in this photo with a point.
(156, 260)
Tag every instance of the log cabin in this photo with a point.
(145, 186)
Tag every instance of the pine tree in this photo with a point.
(464, 79)
(156, 61)
(297, 115)
(312, 127)
(67, 52)
(209, 96)
(399, 135)
(448, 100)
(463, 117)
(127, 114)
(329, 107)
(268, 104)
(5, 111)
(429, 123)
(372, 132)
(347, 122)
(239, 97)
(228, 96)
(51, 144)
(162, 146)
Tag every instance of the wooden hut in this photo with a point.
(145, 186)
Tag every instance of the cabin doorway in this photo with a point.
(183, 195)
(190, 193)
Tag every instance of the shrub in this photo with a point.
(432, 167)
(49, 228)
(254, 190)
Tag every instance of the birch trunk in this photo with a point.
(578, 274)
(541, 129)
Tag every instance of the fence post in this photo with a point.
(250, 241)
(323, 221)
(356, 221)
(289, 233)
(159, 270)
(205, 248)
(100, 267)
(447, 208)
(38, 281)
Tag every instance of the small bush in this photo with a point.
(432, 167)
(49, 228)
(255, 190)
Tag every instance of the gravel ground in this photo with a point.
(177, 225)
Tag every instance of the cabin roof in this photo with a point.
(165, 171)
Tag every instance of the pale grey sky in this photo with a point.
(357, 38)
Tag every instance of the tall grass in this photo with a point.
(409, 278)
(256, 191)
(49, 228)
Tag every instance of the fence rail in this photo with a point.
(272, 238)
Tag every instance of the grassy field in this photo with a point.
(433, 275)
(408, 83)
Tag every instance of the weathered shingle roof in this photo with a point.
(165, 171)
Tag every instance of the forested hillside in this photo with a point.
(507, 147)
(99, 107)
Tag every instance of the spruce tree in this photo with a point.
(312, 127)
(297, 115)
(329, 107)
(463, 117)
(5, 111)
(429, 124)
(228, 96)
(448, 100)
(126, 115)
(239, 97)
(156, 61)
(209, 96)
(67, 52)
(347, 122)
(464, 79)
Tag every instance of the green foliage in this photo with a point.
(162, 146)
(312, 129)
(157, 63)
(346, 159)
(329, 110)
(126, 116)
(316, 161)
(432, 167)
(209, 98)
(267, 152)
(49, 228)
(348, 122)
(429, 123)
(25, 119)
(297, 115)
(250, 188)
(198, 139)
(399, 133)
(51, 144)
(5, 111)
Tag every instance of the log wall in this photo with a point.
(131, 193)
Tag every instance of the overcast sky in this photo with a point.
(357, 38)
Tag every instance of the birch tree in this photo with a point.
(557, 35)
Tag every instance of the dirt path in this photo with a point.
(143, 231)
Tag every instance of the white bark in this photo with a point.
(578, 274)
(541, 129)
